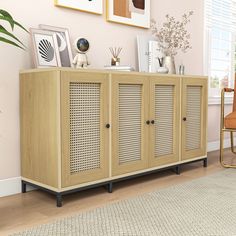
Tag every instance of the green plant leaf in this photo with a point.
(22, 27)
(13, 22)
(6, 16)
(10, 20)
(5, 13)
(4, 31)
(10, 42)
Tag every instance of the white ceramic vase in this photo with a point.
(169, 63)
(162, 70)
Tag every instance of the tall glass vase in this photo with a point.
(169, 63)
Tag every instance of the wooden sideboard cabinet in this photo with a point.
(85, 128)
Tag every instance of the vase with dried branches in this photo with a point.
(172, 37)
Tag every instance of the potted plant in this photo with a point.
(172, 37)
(5, 35)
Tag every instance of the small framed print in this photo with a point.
(129, 12)
(63, 41)
(92, 6)
(45, 48)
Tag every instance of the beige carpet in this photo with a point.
(203, 207)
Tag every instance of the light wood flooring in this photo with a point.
(21, 211)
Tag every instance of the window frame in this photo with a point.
(213, 96)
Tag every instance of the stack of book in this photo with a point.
(119, 68)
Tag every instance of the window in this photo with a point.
(220, 30)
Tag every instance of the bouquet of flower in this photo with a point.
(173, 35)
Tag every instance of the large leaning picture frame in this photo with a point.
(129, 12)
(92, 6)
(45, 48)
(63, 41)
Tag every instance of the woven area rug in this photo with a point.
(202, 207)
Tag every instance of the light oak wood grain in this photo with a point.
(45, 125)
(102, 172)
(40, 127)
(175, 155)
(202, 84)
(117, 80)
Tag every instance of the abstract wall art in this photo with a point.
(63, 41)
(45, 48)
(92, 6)
(129, 12)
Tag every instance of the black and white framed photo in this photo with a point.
(45, 48)
(63, 41)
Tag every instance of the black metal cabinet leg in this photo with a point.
(205, 162)
(59, 200)
(23, 186)
(177, 170)
(110, 186)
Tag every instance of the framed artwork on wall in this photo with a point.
(129, 12)
(63, 41)
(45, 48)
(92, 6)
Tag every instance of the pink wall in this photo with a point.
(101, 35)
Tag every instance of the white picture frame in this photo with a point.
(64, 45)
(95, 6)
(45, 48)
(143, 52)
(129, 12)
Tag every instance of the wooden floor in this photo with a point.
(18, 212)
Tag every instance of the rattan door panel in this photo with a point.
(194, 111)
(84, 134)
(164, 111)
(129, 131)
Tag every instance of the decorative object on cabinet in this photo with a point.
(155, 56)
(162, 70)
(45, 48)
(94, 6)
(81, 59)
(5, 35)
(63, 41)
(227, 124)
(143, 51)
(119, 68)
(172, 37)
(181, 69)
(101, 127)
(129, 12)
(169, 63)
(115, 52)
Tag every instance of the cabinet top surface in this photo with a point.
(67, 69)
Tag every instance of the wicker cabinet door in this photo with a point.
(84, 99)
(194, 116)
(129, 129)
(165, 118)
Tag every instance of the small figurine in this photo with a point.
(81, 59)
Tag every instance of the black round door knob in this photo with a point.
(153, 122)
(148, 122)
(184, 119)
(108, 126)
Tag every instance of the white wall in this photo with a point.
(101, 35)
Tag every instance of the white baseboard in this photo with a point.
(214, 146)
(10, 186)
(13, 185)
